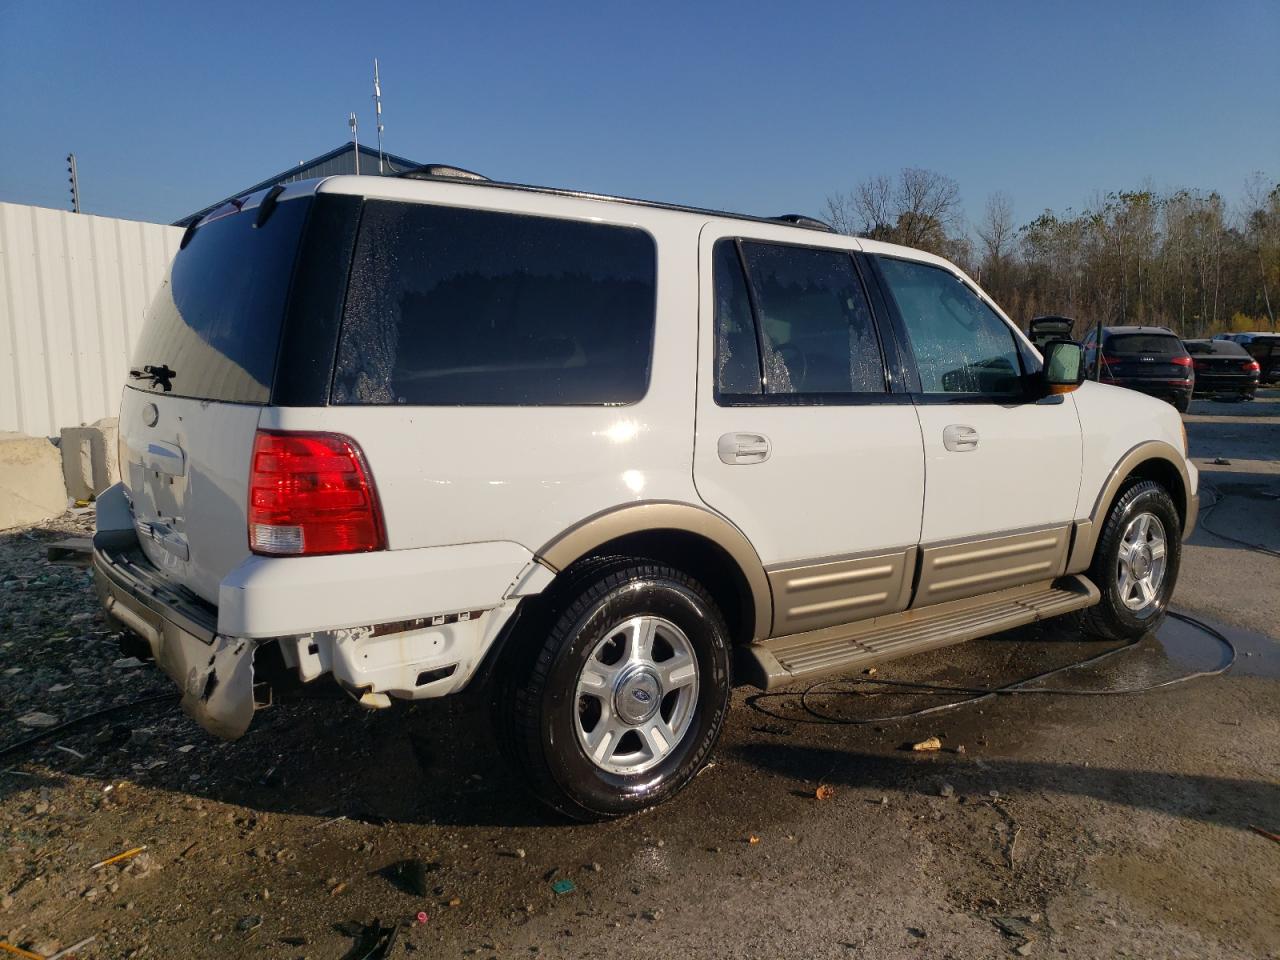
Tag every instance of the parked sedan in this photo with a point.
(1151, 360)
(1222, 368)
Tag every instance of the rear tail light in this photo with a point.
(1251, 367)
(1199, 364)
(311, 493)
(1180, 361)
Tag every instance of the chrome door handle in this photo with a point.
(739, 448)
(959, 437)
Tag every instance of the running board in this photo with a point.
(844, 649)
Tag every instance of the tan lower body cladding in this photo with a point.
(813, 595)
(966, 569)
(810, 596)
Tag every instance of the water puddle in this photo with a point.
(1191, 649)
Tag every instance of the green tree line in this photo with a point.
(1185, 259)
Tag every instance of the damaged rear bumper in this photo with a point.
(407, 659)
(213, 672)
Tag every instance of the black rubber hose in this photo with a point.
(77, 721)
(980, 694)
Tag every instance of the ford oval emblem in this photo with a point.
(150, 415)
(644, 696)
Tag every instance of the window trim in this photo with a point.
(654, 320)
(806, 399)
(1026, 395)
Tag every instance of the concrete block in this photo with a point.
(89, 458)
(31, 487)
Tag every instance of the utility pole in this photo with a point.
(75, 183)
(377, 108)
(355, 140)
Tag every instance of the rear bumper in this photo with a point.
(415, 624)
(1207, 383)
(214, 673)
(1164, 389)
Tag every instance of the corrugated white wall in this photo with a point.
(73, 291)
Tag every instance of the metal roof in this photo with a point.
(341, 160)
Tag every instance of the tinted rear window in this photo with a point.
(1221, 348)
(449, 306)
(1144, 344)
(215, 323)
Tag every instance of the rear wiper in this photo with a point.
(160, 376)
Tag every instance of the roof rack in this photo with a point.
(441, 171)
(800, 220)
(448, 172)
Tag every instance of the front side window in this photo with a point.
(816, 330)
(961, 345)
(450, 306)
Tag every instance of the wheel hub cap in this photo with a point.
(636, 695)
(1140, 565)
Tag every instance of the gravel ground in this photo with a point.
(1047, 826)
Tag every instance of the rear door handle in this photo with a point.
(739, 448)
(959, 438)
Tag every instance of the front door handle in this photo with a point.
(959, 438)
(738, 448)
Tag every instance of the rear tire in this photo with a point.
(1181, 404)
(615, 698)
(1135, 563)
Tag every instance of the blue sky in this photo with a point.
(764, 108)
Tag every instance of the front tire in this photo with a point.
(616, 702)
(1135, 564)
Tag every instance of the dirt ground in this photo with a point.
(1081, 827)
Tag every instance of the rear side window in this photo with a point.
(213, 329)
(737, 350)
(816, 331)
(448, 306)
(961, 345)
(1144, 344)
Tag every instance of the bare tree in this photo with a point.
(996, 232)
(920, 209)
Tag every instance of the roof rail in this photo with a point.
(440, 171)
(800, 220)
(448, 172)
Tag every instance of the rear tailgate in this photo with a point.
(202, 372)
(1142, 356)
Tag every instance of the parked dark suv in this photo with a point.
(1265, 348)
(1151, 360)
(1222, 368)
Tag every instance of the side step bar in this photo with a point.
(844, 649)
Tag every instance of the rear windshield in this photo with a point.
(1221, 348)
(1145, 344)
(213, 329)
(450, 306)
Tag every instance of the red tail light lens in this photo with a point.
(1181, 361)
(311, 493)
(1251, 367)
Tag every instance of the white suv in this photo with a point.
(601, 458)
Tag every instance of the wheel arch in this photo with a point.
(1151, 460)
(702, 543)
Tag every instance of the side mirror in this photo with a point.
(1063, 366)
